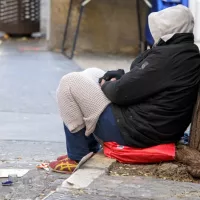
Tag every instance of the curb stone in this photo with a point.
(103, 187)
(95, 167)
(91, 170)
(82, 178)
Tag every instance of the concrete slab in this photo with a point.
(81, 179)
(76, 196)
(92, 169)
(28, 108)
(143, 187)
(31, 126)
(42, 183)
(127, 188)
(99, 161)
(27, 152)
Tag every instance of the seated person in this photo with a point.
(152, 104)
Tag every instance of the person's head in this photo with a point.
(165, 23)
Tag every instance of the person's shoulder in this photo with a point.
(175, 49)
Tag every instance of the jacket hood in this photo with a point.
(170, 21)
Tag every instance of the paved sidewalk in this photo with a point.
(105, 62)
(124, 188)
(31, 130)
(93, 182)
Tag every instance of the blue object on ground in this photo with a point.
(7, 183)
(158, 5)
(185, 138)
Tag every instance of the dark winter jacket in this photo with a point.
(153, 103)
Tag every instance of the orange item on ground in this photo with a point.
(44, 166)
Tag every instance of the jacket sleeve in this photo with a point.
(143, 81)
(139, 58)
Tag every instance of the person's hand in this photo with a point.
(102, 82)
(117, 74)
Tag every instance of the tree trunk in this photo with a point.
(190, 156)
(195, 127)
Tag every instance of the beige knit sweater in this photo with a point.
(81, 100)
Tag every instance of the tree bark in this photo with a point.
(195, 126)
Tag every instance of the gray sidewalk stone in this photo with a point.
(138, 188)
(92, 182)
(91, 170)
(81, 178)
(99, 161)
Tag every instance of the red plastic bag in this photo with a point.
(129, 155)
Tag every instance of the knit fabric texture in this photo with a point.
(81, 100)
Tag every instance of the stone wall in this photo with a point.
(43, 16)
(108, 26)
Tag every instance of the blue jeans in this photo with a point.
(78, 145)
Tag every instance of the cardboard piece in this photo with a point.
(83, 160)
(19, 172)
